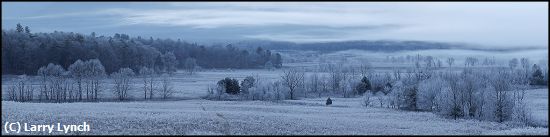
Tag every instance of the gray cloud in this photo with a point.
(491, 24)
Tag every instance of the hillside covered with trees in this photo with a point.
(24, 52)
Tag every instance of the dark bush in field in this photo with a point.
(231, 85)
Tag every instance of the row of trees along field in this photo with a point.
(24, 52)
(494, 94)
(85, 81)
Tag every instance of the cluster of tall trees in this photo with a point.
(84, 81)
(495, 94)
(81, 82)
(527, 73)
(22, 90)
(476, 94)
(88, 73)
(24, 52)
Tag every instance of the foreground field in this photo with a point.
(346, 116)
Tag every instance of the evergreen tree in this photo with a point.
(231, 85)
(19, 28)
(363, 86)
(537, 78)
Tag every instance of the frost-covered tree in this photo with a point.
(367, 99)
(449, 101)
(190, 65)
(91, 72)
(22, 90)
(366, 69)
(471, 61)
(397, 94)
(469, 86)
(166, 89)
(148, 81)
(278, 61)
(450, 61)
(95, 71)
(429, 61)
(314, 84)
(12, 92)
(292, 79)
(122, 82)
(78, 71)
(410, 97)
(525, 63)
(502, 105)
(53, 76)
(247, 83)
(336, 76)
(427, 92)
(268, 65)
(170, 62)
(513, 63)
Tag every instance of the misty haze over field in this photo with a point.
(275, 68)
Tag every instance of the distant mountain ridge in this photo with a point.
(376, 45)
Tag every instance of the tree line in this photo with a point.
(24, 52)
(86, 81)
(494, 94)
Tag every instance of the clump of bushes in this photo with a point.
(230, 86)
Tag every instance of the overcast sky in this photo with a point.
(503, 24)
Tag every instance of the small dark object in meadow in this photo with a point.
(329, 101)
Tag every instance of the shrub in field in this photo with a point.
(367, 99)
(231, 86)
(329, 101)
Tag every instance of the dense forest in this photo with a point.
(24, 52)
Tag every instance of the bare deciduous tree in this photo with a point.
(122, 82)
(450, 61)
(292, 79)
(77, 70)
(167, 89)
(190, 64)
(148, 81)
(96, 71)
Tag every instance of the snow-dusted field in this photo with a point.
(187, 114)
(538, 101)
(185, 86)
(310, 116)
